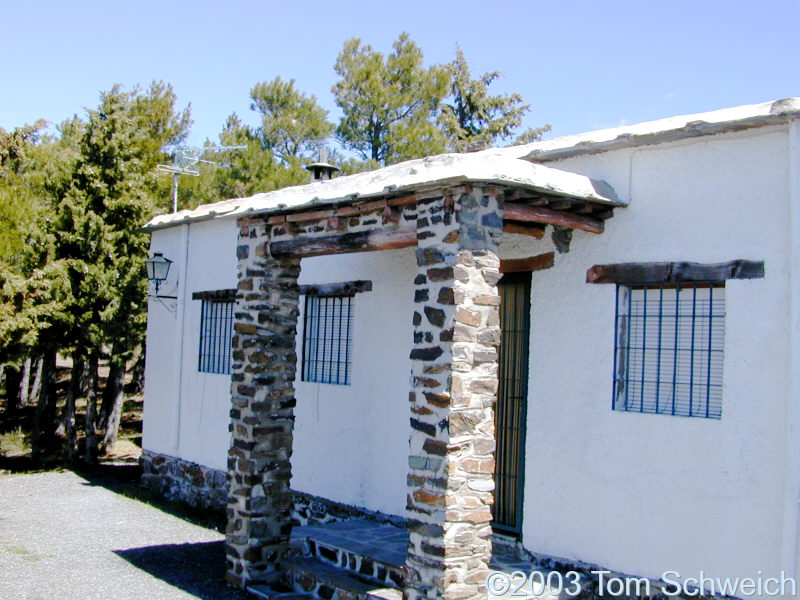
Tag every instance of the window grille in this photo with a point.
(327, 340)
(669, 349)
(216, 326)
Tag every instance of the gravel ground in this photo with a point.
(63, 537)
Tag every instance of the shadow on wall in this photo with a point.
(198, 569)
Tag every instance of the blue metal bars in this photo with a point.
(216, 327)
(327, 339)
(669, 344)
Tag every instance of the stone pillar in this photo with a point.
(454, 387)
(262, 391)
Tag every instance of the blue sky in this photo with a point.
(581, 65)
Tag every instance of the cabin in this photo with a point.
(577, 356)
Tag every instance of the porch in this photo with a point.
(456, 224)
(360, 559)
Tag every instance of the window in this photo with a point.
(669, 349)
(327, 339)
(670, 333)
(216, 326)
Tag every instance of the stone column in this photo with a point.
(454, 387)
(262, 390)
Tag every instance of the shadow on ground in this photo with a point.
(123, 479)
(197, 569)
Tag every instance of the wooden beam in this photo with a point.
(390, 238)
(311, 215)
(537, 201)
(536, 214)
(674, 272)
(390, 214)
(533, 229)
(359, 209)
(228, 295)
(532, 263)
(560, 204)
(343, 288)
(402, 200)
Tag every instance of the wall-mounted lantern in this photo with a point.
(157, 269)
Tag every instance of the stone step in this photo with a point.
(310, 575)
(268, 592)
(385, 594)
(386, 572)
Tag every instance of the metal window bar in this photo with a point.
(216, 327)
(511, 406)
(327, 339)
(669, 343)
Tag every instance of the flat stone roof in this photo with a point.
(492, 167)
(664, 130)
(515, 166)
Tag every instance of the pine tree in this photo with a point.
(389, 102)
(472, 117)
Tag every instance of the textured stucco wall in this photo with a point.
(351, 442)
(646, 493)
(636, 493)
(204, 416)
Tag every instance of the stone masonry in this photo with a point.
(262, 395)
(454, 382)
(454, 386)
(184, 481)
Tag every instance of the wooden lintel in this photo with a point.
(538, 201)
(342, 288)
(359, 209)
(402, 200)
(674, 272)
(227, 295)
(303, 246)
(532, 229)
(560, 204)
(276, 219)
(532, 263)
(390, 214)
(311, 215)
(537, 214)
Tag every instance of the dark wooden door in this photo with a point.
(512, 401)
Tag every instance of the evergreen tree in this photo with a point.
(389, 102)
(472, 117)
(97, 234)
(293, 125)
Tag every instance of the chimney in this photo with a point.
(321, 171)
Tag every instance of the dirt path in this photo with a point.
(64, 537)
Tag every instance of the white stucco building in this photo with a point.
(619, 451)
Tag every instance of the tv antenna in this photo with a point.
(185, 161)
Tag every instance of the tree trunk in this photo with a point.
(136, 385)
(91, 411)
(13, 381)
(25, 383)
(113, 398)
(37, 379)
(45, 415)
(74, 392)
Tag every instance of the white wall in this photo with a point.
(643, 493)
(637, 493)
(351, 442)
(160, 355)
(197, 430)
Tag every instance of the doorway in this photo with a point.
(512, 401)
